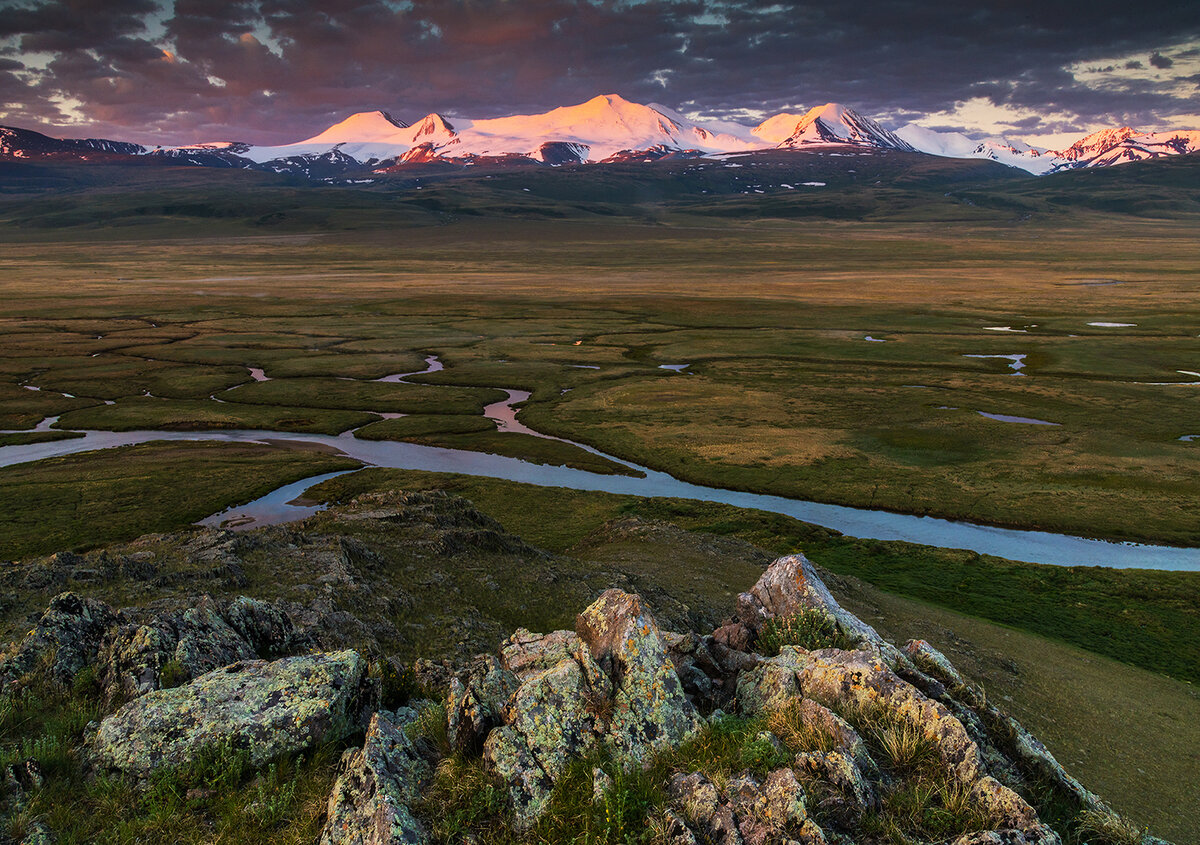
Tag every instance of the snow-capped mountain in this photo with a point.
(607, 128)
(1117, 146)
(833, 123)
(957, 145)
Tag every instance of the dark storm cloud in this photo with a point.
(277, 70)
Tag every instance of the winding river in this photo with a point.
(277, 506)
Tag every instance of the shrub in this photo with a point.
(809, 628)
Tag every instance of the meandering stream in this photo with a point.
(1034, 546)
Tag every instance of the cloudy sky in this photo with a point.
(274, 71)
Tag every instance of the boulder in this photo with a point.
(790, 585)
(207, 641)
(526, 653)
(649, 709)
(267, 628)
(701, 804)
(133, 657)
(369, 804)
(475, 703)
(267, 709)
(552, 718)
(67, 637)
(850, 792)
(747, 811)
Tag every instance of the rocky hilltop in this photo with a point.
(792, 722)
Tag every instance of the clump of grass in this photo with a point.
(430, 728)
(465, 799)
(787, 723)
(903, 745)
(172, 675)
(808, 628)
(1105, 829)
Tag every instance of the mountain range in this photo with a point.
(607, 128)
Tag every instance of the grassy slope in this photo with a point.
(1088, 607)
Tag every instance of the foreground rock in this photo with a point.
(612, 683)
(266, 709)
(375, 785)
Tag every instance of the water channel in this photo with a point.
(276, 507)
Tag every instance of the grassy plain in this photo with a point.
(86, 500)
(783, 393)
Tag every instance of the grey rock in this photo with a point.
(268, 709)
(369, 804)
(526, 653)
(649, 709)
(852, 793)
(67, 637)
(476, 701)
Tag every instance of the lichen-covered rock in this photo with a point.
(369, 804)
(841, 733)
(852, 793)
(861, 680)
(267, 709)
(649, 709)
(697, 668)
(675, 830)
(476, 701)
(206, 640)
(933, 662)
(133, 658)
(701, 804)
(791, 584)
(67, 637)
(268, 630)
(526, 653)
(746, 812)
(529, 786)
(555, 716)
(771, 683)
(1040, 835)
(765, 811)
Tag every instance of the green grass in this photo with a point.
(365, 396)
(144, 413)
(18, 438)
(217, 796)
(809, 629)
(1144, 618)
(87, 499)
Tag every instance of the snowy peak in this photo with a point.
(1119, 146)
(833, 123)
(1097, 142)
(363, 127)
(432, 129)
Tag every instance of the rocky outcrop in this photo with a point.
(265, 709)
(610, 682)
(476, 701)
(746, 812)
(65, 640)
(823, 740)
(369, 804)
(649, 709)
(791, 585)
(130, 650)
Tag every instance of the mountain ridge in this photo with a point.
(603, 129)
